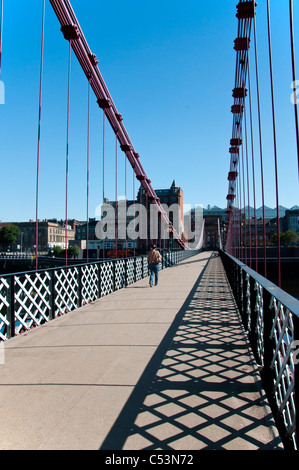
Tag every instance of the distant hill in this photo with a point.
(269, 212)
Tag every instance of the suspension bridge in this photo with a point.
(91, 358)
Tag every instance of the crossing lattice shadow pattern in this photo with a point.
(205, 392)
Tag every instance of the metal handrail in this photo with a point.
(29, 299)
(271, 320)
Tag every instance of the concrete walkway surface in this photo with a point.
(167, 367)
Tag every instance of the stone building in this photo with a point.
(51, 233)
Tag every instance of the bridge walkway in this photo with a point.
(167, 367)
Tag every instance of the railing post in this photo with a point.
(11, 309)
(113, 274)
(99, 280)
(135, 269)
(267, 372)
(254, 313)
(268, 345)
(126, 272)
(247, 303)
(296, 373)
(52, 295)
(80, 286)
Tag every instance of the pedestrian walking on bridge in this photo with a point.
(154, 259)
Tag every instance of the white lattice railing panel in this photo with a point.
(259, 327)
(282, 363)
(90, 283)
(106, 278)
(120, 274)
(66, 290)
(145, 267)
(32, 300)
(4, 305)
(273, 337)
(130, 271)
(167, 259)
(42, 295)
(139, 269)
(247, 300)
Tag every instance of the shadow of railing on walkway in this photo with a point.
(200, 390)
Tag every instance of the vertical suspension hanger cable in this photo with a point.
(294, 77)
(140, 220)
(133, 199)
(103, 175)
(244, 205)
(126, 204)
(241, 189)
(1, 33)
(67, 151)
(260, 142)
(248, 190)
(87, 176)
(39, 132)
(253, 167)
(116, 202)
(240, 242)
(274, 142)
(240, 257)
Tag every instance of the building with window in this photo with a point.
(51, 233)
(291, 220)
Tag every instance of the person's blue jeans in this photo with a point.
(154, 271)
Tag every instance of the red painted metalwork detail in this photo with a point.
(104, 103)
(235, 142)
(245, 10)
(240, 92)
(66, 16)
(125, 147)
(93, 59)
(242, 44)
(237, 108)
(232, 175)
(70, 32)
(234, 150)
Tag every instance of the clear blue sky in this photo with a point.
(170, 68)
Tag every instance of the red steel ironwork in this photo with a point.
(234, 223)
(72, 32)
(38, 137)
(294, 77)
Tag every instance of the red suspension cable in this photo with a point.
(71, 30)
(261, 147)
(1, 33)
(39, 132)
(103, 175)
(244, 206)
(116, 201)
(275, 147)
(87, 177)
(294, 77)
(67, 152)
(126, 242)
(248, 190)
(133, 198)
(253, 167)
